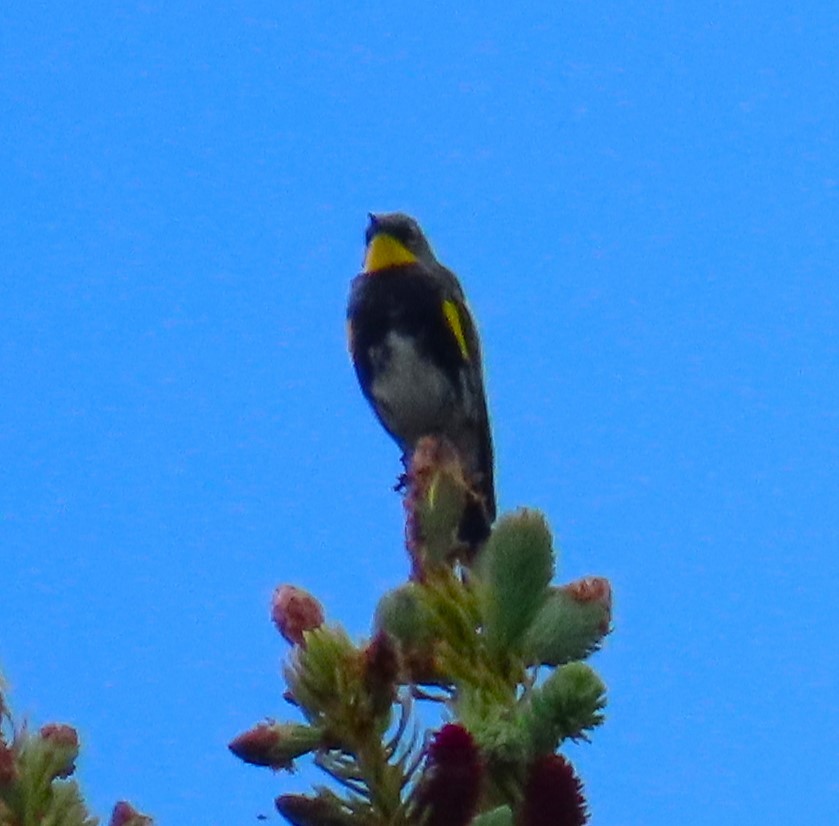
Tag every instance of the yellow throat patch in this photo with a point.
(384, 251)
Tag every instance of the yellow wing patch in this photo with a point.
(452, 314)
(384, 251)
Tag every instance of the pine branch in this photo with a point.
(484, 635)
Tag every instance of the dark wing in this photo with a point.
(462, 326)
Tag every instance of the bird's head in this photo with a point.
(393, 240)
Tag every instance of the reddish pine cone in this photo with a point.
(553, 795)
(294, 611)
(303, 810)
(276, 745)
(124, 814)
(64, 745)
(448, 792)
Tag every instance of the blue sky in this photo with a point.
(642, 201)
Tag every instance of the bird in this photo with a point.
(417, 356)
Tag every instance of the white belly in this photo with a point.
(414, 397)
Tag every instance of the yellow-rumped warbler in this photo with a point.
(416, 353)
